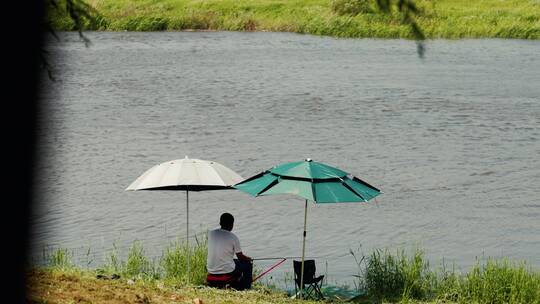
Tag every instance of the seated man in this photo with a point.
(223, 268)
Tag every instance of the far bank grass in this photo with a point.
(439, 18)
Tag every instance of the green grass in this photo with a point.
(59, 258)
(171, 266)
(387, 276)
(134, 264)
(495, 281)
(137, 264)
(401, 277)
(338, 18)
(391, 277)
(174, 263)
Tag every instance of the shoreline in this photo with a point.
(427, 40)
(383, 275)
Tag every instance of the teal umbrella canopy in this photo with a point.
(311, 180)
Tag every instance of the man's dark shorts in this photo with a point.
(243, 271)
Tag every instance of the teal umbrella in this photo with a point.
(314, 181)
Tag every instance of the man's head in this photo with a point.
(226, 221)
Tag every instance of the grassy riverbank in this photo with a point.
(71, 286)
(394, 277)
(339, 18)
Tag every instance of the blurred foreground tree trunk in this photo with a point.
(22, 40)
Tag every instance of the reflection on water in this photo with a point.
(453, 140)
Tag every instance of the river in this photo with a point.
(453, 141)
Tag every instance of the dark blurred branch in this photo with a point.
(79, 12)
(408, 11)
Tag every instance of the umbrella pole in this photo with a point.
(303, 254)
(187, 233)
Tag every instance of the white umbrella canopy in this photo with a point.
(186, 175)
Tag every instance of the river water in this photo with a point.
(453, 141)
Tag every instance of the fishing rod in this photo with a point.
(282, 260)
(287, 258)
(270, 269)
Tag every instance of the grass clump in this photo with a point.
(171, 266)
(392, 277)
(495, 281)
(135, 266)
(138, 265)
(351, 7)
(59, 258)
(174, 263)
(113, 263)
(145, 24)
(408, 277)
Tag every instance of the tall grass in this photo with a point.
(113, 264)
(495, 281)
(171, 266)
(398, 276)
(138, 265)
(404, 277)
(58, 258)
(135, 266)
(174, 262)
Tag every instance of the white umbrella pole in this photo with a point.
(187, 233)
(303, 254)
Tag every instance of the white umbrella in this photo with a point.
(187, 175)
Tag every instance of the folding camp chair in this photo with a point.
(312, 284)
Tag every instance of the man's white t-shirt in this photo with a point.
(222, 247)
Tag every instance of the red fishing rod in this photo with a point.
(270, 269)
(282, 260)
